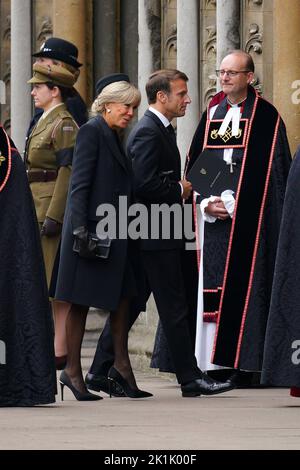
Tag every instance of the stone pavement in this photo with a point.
(240, 419)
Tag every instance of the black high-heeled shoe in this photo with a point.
(64, 380)
(115, 377)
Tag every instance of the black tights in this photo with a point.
(75, 327)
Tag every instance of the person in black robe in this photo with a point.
(281, 364)
(27, 368)
(239, 252)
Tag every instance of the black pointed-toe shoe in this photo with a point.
(65, 380)
(205, 386)
(101, 383)
(115, 378)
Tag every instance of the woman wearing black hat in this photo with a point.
(101, 175)
(49, 153)
(57, 51)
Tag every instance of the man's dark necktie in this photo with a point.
(171, 131)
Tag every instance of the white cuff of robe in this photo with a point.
(228, 200)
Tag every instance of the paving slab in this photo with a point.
(239, 419)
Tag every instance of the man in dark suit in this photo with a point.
(157, 177)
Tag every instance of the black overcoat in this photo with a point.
(281, 364)
(27, 368)
(101, 173)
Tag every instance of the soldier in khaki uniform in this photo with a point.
(49, 153)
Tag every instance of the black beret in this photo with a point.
(59, 49)
(108, 79)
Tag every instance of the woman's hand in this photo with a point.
(51, 227)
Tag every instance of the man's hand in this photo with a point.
(50, 227)
(217, 209)
(187, 189)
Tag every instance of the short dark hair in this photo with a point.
(249, 61)
(160, 81)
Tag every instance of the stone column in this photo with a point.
(20, 71)
(69, 22)
(286, 66)
(129, 39)
(228, 22)
(105, 38)
(145, 60)
(187, 62)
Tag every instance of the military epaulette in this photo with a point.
(5, 158)
(64, 113)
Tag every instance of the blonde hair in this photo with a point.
(117, 92)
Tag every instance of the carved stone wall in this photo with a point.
(257, 39)
(41, 30)
(207, 50)
(154, 25)
(5, 60)
(169, 34)
(42, 22)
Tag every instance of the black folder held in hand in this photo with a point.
(210, 175)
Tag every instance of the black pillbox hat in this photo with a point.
(108, 79)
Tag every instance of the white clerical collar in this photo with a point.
(235, 105)
(233, 114)
(160, 116)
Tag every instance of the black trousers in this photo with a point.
(164, 277)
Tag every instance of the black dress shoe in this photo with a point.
(101, 383)
(205, 386)
(242, 379)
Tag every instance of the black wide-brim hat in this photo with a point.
(59, 49)
(108, 79)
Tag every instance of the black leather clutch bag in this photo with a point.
(211, 176)
(93, 247)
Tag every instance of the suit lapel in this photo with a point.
(113, 145)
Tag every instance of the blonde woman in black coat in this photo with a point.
(101, 174)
